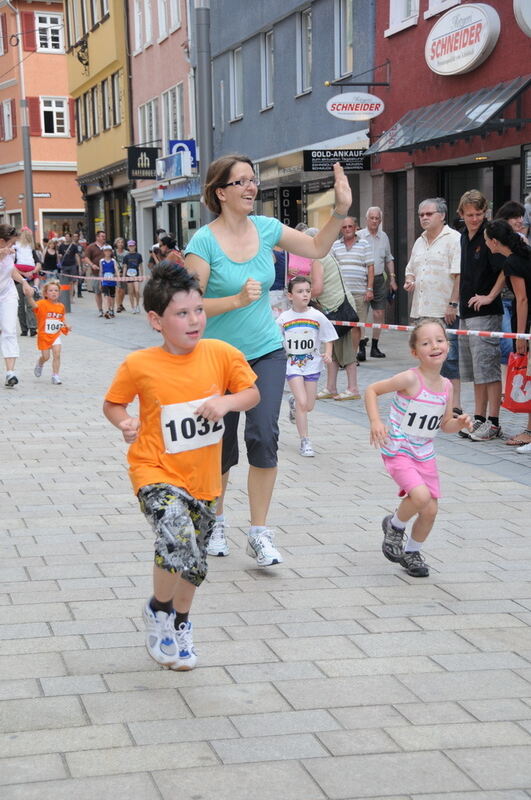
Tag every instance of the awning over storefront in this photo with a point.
(467, 115)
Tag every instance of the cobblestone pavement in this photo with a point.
(333, 676)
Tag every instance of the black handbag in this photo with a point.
(345, 313)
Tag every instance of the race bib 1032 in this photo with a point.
(182, 429)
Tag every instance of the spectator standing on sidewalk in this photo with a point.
(120, 253)
(9, 276)
(93, 255)
(357, 268)
(432, 275)
(176, 478)
(70, 261)
(133, 269)
(384, 263)
(26, 262)
(479, 356)
(109, 272)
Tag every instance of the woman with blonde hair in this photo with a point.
(28, 265)
(233, 258)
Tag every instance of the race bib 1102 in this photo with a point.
(422, 420)
(182, 429)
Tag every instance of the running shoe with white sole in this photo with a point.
(414, 564)
(218, 546)
(260, 546)
(161, 639)
(486, 432)
(56, 380)
(464, 434)
(393, 541)
(187, 656)
(38, 370)
(306, 448)
(524, 449)
(11, 380)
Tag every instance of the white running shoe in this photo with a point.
(187, 654)
(260, 546)
(161, 640)
(56, 380)
(11, 380)
(38, 370)
(291, 412)
(525, 449)
(306, 448)
(486, 432)
(217, 546)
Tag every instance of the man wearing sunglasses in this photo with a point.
(432, 276)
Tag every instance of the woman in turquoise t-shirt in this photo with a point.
(233, 257)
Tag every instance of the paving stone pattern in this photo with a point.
(334, 676)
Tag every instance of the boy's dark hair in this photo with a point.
(510, 210)
(169, 241)
(166, 279)
(298, 279)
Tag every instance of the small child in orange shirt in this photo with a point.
(50, 314)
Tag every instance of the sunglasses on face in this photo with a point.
(244, 183)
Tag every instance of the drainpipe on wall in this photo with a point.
(24, 128)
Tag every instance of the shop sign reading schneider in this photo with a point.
(462, 39)
(357, 106)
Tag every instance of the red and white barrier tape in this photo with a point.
(384, 327)
(54, 274)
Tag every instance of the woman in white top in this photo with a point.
(28, 267)
(9, 302)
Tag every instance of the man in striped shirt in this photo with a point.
(357, 268)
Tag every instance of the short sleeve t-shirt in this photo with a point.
(161, 379)
(520, 267)
(50, 323)
(303, 334)
(132, 263)
(251, 329)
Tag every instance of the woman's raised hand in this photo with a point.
(343, 192)
(250, 291)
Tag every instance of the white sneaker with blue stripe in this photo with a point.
(161, 640)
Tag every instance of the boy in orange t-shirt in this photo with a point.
(175, 453)
(50, 314)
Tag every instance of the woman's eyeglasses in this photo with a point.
(244, 183)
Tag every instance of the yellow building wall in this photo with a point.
(107, 55)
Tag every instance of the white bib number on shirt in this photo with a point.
(108, 275)
(183, 430)
(421, 419)
(131, 272)
(300, 342)
(52, 326)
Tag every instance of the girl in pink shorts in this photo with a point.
(421, 405)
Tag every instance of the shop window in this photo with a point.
(402, 14)
(116, 99)
(344, 54)
(105, 105)
(268, 68)
(236, 84)
(54, 116)
(304, 51)
(437, 6)
(49, 33)
(172, 115)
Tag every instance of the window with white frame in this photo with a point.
(304, 51)
(148, 22)
(148, 121)
(236, 84)
(85, 22)
(79, 119)
(402, 14)
(95, 9)
(104, 7)
(87, 113)
(6, 110)
(116, 99)
(172, 115)
(76, 32)
(138, 25)
(175, 14)
(50, 37)
(3, 34)
(344, 24)
(163, 18)
(267, 58)
(54, 116)
(95, 110)
(105, 105)
(437, 6)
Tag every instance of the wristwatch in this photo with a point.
(454, 305)
(337, 215)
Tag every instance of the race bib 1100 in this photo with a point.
(182, 429)
(422, 420)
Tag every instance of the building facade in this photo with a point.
(98, 71)
(163, 100)
(33, 68)
(269, 69)
(457, 111)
